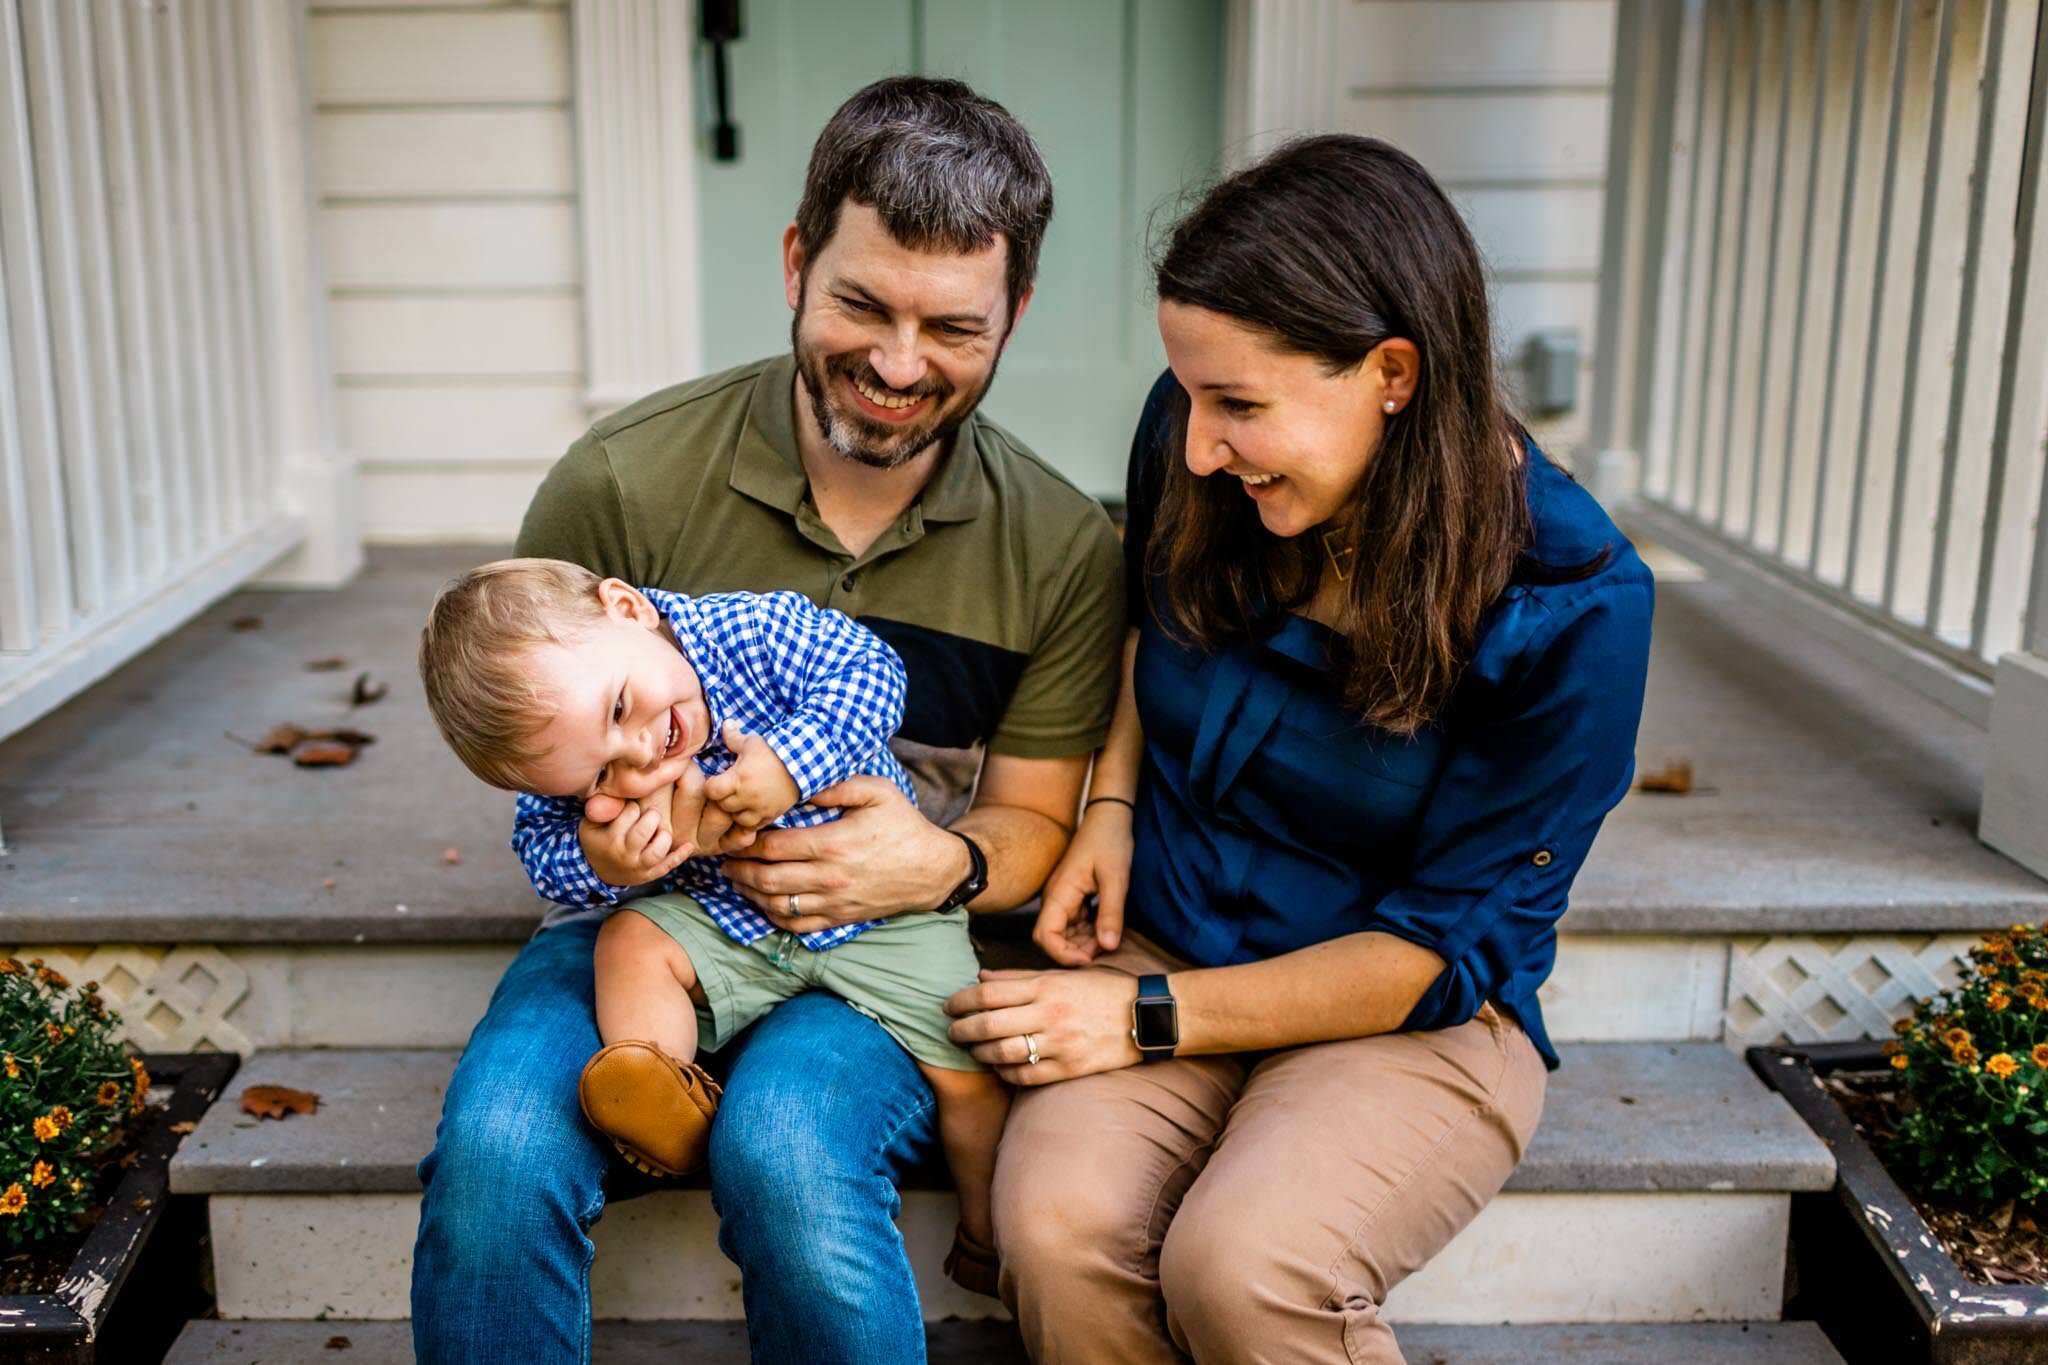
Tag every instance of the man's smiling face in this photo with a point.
(895, 346)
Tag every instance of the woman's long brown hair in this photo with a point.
(1328, 247)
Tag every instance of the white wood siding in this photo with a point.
(1506, 102)
(447, 194)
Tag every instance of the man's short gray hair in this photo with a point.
(946, 170)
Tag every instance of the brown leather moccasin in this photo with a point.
(656, 1110)
(972, 1266)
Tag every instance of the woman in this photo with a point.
(1383, 689)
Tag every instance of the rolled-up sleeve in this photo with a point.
(1519, 801)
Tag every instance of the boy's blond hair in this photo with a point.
(473, 658)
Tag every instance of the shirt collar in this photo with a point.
(767, 467)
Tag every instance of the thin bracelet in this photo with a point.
(1098, 800)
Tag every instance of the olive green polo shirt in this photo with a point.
(1001, 585)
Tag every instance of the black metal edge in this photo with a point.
(200, 1077)
(1946, 1300)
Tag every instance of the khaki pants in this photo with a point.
(1252, 1207)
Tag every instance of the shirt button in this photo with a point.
(849, 583)
(1542, 858)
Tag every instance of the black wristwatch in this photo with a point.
(1155, 1021)
(977, 877)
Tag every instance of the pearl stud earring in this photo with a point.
(1390, 405)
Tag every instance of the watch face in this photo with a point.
(1157, 1024)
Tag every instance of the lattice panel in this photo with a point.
(169, 1000)
(1833, 989)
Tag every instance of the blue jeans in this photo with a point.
(823, 1114)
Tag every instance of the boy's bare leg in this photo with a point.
(972, 1107)
(646, 988)
(643, 1089)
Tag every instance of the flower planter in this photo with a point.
(1865, 1265)
(102, 1311)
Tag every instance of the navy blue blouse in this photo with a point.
(1269, 818)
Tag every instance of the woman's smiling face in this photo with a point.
(1294, 437)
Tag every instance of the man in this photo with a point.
(856, 471)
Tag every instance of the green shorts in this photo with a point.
(898, 974)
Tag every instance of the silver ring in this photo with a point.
(1031, 1048)
(794, 897)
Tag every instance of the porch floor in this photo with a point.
(1830, 798)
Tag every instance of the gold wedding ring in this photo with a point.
(794, 897)
(1031, 1049)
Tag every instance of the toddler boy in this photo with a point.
(728, 713)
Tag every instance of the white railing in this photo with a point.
(155, 417)
(1824, 314)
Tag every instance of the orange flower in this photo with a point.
(42, 1177)
(53, 976)
(1987, 969)
(61, 1116)
(1956, 1037)
(56, 1034)
(1899, 1061)
(2001, 1065)
(2019, 930)
(45, 1128)
(10, 967)
(1966, 1055)
(78, 1184)
(1902, 1027)
(1998, 1000)
(14, 1201)
(1995, 942)
(1892, 1047)
(110, 1094)
(13, 1068)
(2008, 958)
(2041, 1054)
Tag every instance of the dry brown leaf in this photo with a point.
(366, 691)
(324, 753)
(143, 1203)
(344, 734)
(339, 1343)
(281, 739)
(1673, 779)
(277, 1101)
(185, 1127)
(332, 664)
(246, 623)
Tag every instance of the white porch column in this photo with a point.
(2014, 818)
(636, 145)
(316, 479)
(1279, 73)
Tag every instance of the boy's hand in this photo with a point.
(638, 844)
(756, 789)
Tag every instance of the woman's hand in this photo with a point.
(1098, 864)
(1078, 1022)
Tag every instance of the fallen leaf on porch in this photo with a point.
(246, 623)
(281, 739)
(365, 691)
(187, 1126)
(143, 1203)
(324, 754)
(1673, 779)
(339, 1343)
(276, 1101)
(451, 856)
(333, 664)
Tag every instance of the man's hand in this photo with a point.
(880, 858)
(757, 789)
(629, 843)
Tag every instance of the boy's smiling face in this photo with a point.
(629, 713)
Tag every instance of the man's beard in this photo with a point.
(857, 436)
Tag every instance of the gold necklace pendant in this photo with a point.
(1339, 559)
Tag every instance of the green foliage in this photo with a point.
(67, 1091)
(1975, 1061)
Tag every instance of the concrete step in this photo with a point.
(1829, 799)
(210, 1342)
(1657, 1189)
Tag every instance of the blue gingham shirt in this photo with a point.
(823, 690)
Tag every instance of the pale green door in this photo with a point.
(1124, 96)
